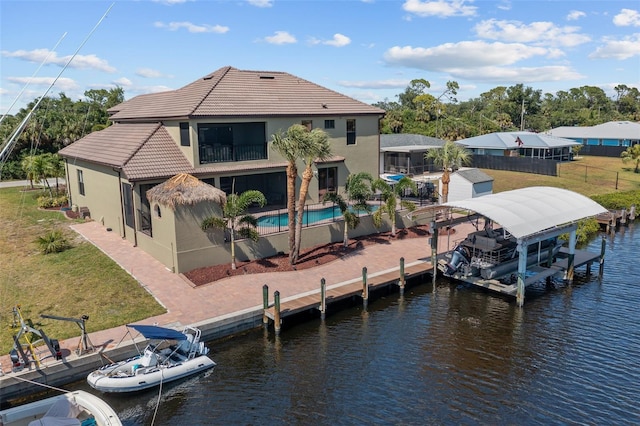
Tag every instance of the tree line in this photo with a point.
(504, 109)
(59, 121)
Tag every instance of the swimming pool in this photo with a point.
(309, 217)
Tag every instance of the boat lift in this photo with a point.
(84, 344)
(24, 354)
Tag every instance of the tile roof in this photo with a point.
(146, 151)
(230, 92)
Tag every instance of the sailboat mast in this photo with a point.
(22, 125)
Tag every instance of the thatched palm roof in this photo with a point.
(184, 189)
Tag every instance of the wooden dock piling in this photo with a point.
(365, 288)
(323, 298)
(276, 312)
(603, 246)
(265, 304)
(402, 277)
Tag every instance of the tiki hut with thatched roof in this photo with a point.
(178, 207)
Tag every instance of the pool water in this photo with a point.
(310, 216)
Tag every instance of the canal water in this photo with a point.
(445, 355)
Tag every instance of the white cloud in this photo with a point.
(260, 3)
(171, 2)
(79, 62)
(192, 28)
(376, 84)
(150, 73)
(440, 8)
(574, 15)
(63, 84)
(482, 61)
(504, 5)
(281, 37)
(500, 75)
(618, 49)
(535, 32)
(338, 40)
(626, 18)
(123, 82)
(465, 54)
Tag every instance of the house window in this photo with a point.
(351, 132)
(127, 204)
(224, 142)
(184, 134)
(329, 124)
(327, 180)
(157, 210)
(80, 182)
(308, 124)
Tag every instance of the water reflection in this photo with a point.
(447, 354)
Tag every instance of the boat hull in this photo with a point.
(118, 379)
(91, 405)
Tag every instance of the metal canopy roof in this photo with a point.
(527, 211)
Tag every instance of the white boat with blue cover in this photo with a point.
(170, 355)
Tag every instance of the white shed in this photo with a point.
(469, 183)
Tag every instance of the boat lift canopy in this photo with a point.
(529, 211)
(158, 333)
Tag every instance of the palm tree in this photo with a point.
(632, 154)
(450, 157)
(34, 167)
(358, 191)
(317, 147)
(289, 145)
(392, 196)
(236, 219)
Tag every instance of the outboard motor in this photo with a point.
(460, 254)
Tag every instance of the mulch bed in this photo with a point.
(315, 256)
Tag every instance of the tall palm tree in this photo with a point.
(34, 167)
(290, 145)
(632, 154)
(449, 158)
(392, 196)
(357, 192)
(317, 147)
(236, 219)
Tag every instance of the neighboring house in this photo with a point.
(525, 152)
(520, 144)
(404, 153)
(608, 139)
(217, 129)
(469, 183)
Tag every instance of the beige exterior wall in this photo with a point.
(270, 245)
(363, 156)
(101, 193)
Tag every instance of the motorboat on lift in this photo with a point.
(71, 408)
(169, 355)
(491, 254)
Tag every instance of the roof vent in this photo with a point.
(267, 77)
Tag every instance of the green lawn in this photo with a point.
(79, 281)
(83, 281)
(587, 175)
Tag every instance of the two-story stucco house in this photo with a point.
(217, 129)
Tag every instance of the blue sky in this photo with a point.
(367, 49)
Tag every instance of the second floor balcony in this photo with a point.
(227, 153)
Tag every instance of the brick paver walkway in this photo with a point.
(188, 305)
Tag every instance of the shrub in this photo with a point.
(53, 242)
(46, 201)
(587, 229)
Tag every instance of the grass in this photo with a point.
(586, 175)
(84, 281)
(78, 281)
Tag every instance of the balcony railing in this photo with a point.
(228, 153)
